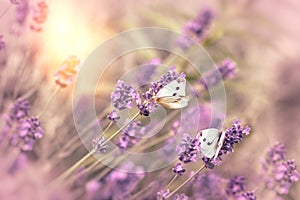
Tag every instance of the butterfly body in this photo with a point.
(211, 142)
(172, 96)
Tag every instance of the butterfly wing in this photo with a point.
(173, 102)
(175, 88)
(209, 141)
(220, 144)
(172, 96)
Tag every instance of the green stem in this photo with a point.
(49, 101)
(92, 166)
(185, 182)
(145, 145)
(143, 191)
(74, 167)
(76, 146)
(73, 140)
(68, 172)
(158, 179)
(136, 195)
(172, 180)
(21, 71)
(118, 131)
(119, 158)
(106, 129)
(5, 11)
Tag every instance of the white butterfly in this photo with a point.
(211, 142)
(172, 96)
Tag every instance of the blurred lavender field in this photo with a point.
(254, 49)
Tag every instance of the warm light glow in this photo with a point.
(68, 31)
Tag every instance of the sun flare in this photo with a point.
(67, 32)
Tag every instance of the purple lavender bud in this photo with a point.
(123, 95)
(129, 135)
(145, 109)
(227, 69)
(278, 174)
(2, 43)
(164, 80)
(170, 76)
(98, 144)
(22, 10)
(246, 196)
(113, 116)
(178, 169)
(188, 149)
(196, 28)
(234, 135)
(19, 111)
(118, 184)
(67, 71)
(29, 130)
(276, 154)
(284, 175)
(175, 127)
(161, 195)
(235, 186)
(209, 186)
(180, 197)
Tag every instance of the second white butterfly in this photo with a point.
(211, 142)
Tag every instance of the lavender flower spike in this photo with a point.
(113, 116)
(29, 130)
(199, 25)
(18, 112)
(246, 196)
(68, 70)
(22, 12)
(284, 175)
(276, 154)
(161, 195)
(233, 135)
(227, 69)
(235, 186)
(196, 29)
(279, 174)
(178, 169)
(123, 95)
(209, 186)
(129, 135)
(188, 149)
(98, 144)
